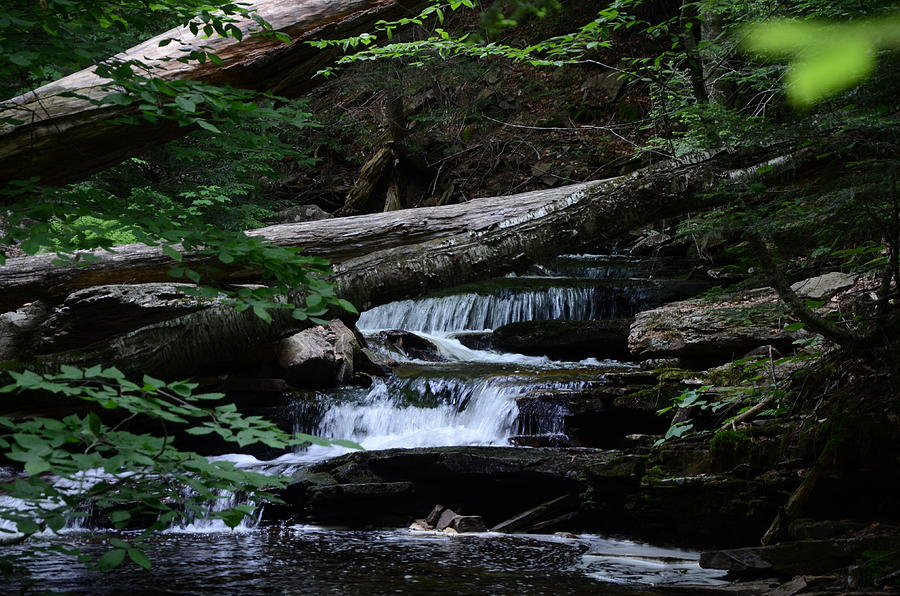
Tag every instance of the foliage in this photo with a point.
(115, 450)
(825, 58)
(81, 461)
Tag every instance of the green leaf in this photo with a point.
(346, 305)
(185, 104)
(139, 558)
(37, 466)
(207, 126)
(112, 559)
(119, 516)
(199, 430)
(262, 313)
(172, 253)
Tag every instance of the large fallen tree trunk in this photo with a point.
(382, 257)
(389, 256)
(64, 137)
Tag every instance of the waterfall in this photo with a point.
(440, 411)
(477, 312)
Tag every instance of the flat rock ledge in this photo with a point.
(552, 489)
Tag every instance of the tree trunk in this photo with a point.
(390, 256)
(382, 257)
(66, 138)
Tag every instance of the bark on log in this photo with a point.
(382, 257)
(66, 138)
(390, 256)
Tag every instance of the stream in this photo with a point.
(466, 398)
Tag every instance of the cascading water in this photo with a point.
(472, 397)
(476, 312)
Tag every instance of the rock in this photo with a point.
(806, 557)
(419, 525)
(231, 384)
(650, 244)
(566, 535)
(824, 286)
(612, 492)
(446, 518)
(476, 340)
(803, 529)
(602, 88)
(566, 340)
(656, 363)
(790, 588)
(468, 523)
(706, 333)
(432, 518)
(17, 328)
(549, 440)
(320, 356)
(449, 531)
(300, 213)
(410, 345)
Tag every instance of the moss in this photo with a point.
(730, 448)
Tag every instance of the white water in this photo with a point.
(476, 312)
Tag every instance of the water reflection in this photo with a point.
(301, 560)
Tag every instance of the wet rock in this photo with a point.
(445, 519)
(320, 356)
(476, 340)
(548, 440)
(410, 345)
(614, 491)
(807, 557)
(432, 518)
(566, 340)
(824, 286)
(706, 333)
(468, 523)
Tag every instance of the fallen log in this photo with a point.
(390, 256)
(64, 138)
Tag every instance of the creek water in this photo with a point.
(468, 398)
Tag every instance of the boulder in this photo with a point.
(824, 286)
(566, 340)
(468, 523)
(320, 356)
(432, 518)
(706, 333)
(445, 519)
(610, 491)
(410, 345)
(799, 558)
(476, 340)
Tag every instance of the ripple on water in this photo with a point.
(312, 560)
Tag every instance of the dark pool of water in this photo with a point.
(306, 560)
